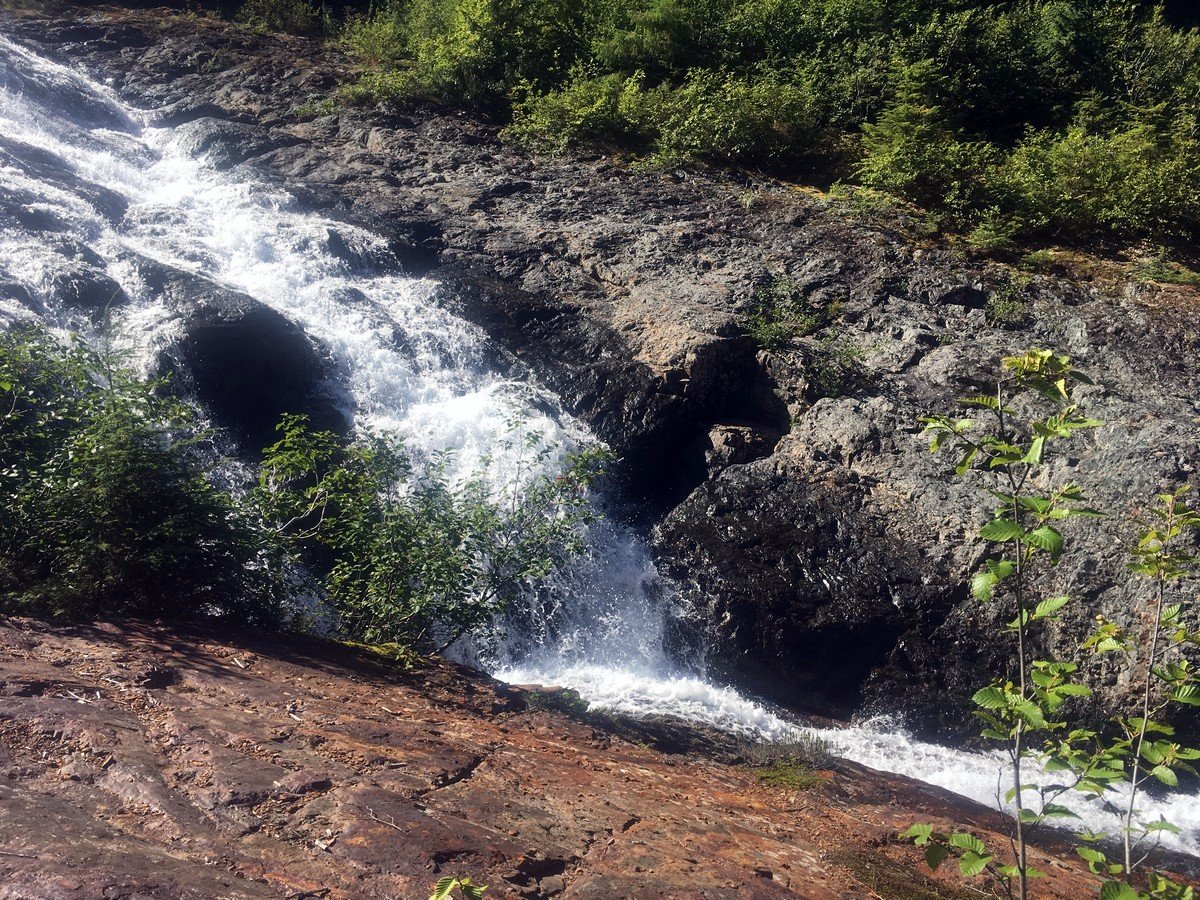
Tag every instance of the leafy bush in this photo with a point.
(106, 510)
(596, 111)
(1161, 269)
(105, 507)
(293, 16)
(1135, 181)
(1007, 307)
(779, 313)
(1010, 121)
(417, 561)
(789, 775)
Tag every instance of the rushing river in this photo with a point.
(68, 146)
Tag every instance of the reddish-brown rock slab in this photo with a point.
(141, 761)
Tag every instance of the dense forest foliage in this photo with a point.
(1068, 120)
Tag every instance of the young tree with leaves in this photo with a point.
(1030, 409)
(1143, 748)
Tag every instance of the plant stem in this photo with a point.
(1156, 629)
(1018, 583)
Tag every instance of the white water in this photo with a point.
(600, 630)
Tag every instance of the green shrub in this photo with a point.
(1133, 182)
(597, 111)
(415, 560)
(105, 507)
(1159, 268)
(834, 367)
(789, 775)
(293, 16)
(377, 39)
(1007, 307)
(106, 510)
(780, 313)
(1005, 121)
(912, 150)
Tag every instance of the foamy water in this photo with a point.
(404, 365)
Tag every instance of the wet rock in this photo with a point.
(78, 285)
(247, 363)
(224, 144)
(311, 769)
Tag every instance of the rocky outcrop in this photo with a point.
(246, 364)
(149, 762)
(822, 549)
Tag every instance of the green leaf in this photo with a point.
(1165, 775)
(1073, 690)
(1055, 811)
(1001, 531)
(935, 855)
(964, 464)
(1046, 538)
(1050, 606)
(1091, 855)
(918, 833)
(972, 864)
(1117, 890)
(1161, 825)
(1036, 451)
(965, 841)
(990, 697)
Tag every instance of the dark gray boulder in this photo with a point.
(246, 363)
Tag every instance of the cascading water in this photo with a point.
(74, 161)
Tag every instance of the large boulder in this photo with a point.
(246, 363)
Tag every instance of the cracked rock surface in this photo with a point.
(145, 762)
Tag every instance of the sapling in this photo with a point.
(1143, 748)
(1010, 445)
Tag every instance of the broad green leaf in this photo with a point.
(935, 855)
(990, 697)
(968, 842)
(1050, 606)
(1117, 890)
(1161, 825)
(1165, 775)
(918, 833)
(1055, 811)
(1001, 531)
(972, 864)
(1073, 690)
(1046, 538)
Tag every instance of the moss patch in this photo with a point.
(791, 775)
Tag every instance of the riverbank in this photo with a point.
(147, 761)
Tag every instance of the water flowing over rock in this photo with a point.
(819, 550)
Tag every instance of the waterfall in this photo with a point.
(96, 181)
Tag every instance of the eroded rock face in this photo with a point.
(823, 548)
(149, 762)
